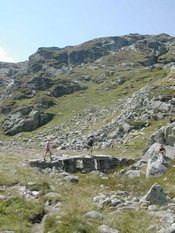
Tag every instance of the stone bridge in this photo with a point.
(84, 164)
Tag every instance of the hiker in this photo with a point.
(162, 150)
(47, 150)
(90, 144)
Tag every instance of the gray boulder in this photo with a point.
(157, 165)
(152, 151)
(155, 195)
(25, 121)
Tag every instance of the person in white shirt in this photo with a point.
(48, 150)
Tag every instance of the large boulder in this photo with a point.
(25, 121)
(153, 150)
(157, 165)
(155, 196)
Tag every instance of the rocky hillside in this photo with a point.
(107, 87)
(121, 90)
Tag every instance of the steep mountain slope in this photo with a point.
(107, 87)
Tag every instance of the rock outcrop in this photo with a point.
(26, 119)
(156, 195)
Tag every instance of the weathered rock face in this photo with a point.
(43, 55)
(40, 83)
(157, 166)
(87, 52)
(25, 120)
(165, 135)
(67, 87)
(157, 48)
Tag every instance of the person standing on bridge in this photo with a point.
(47, 150)
(90, 144)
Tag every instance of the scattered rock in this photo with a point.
(155, 195)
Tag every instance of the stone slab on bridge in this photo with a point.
(72, 164)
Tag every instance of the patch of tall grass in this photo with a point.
(16, 214)
(132, 221)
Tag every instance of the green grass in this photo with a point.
(137, 221)
(131, 221)
(6, 179)
(70, 223)
(16, 214)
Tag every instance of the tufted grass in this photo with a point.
(16, 214)
(131, 221)
(71, 223)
